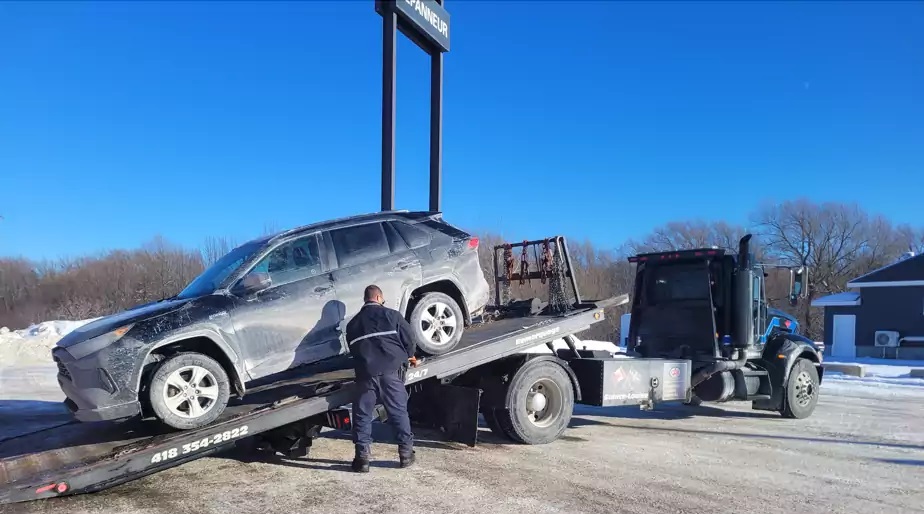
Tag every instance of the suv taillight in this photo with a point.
(473, 243)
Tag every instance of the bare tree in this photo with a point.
(910, 239)
(835, 241)
(679, 235)
(270, 228)
(215, 248)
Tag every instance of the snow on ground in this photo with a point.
(884, 378)
(33, 345)
(30, 398)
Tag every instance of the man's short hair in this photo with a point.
(371, 292)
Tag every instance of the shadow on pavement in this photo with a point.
(385, 457)
(382, 433)
(669, 412)
(583, 421)
(906, 462)
(21, 417)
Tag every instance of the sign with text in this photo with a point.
(425, 17)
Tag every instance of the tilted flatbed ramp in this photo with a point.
(88, 457)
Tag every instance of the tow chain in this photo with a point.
(558, 300)
(545, 263)
(524, 264)
(551, 271)
(508, 273)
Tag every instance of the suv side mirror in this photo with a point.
(252, 283)
(797, 284)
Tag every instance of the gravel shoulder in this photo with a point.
(860, 455)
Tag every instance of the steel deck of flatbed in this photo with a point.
(88, 457)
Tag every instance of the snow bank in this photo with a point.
(33, 345)
(886, 368)
(883, 378)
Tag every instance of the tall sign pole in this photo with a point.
(389, 80)
(426, 23)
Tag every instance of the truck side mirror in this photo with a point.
(797, 284)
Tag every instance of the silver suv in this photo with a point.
(267, 306)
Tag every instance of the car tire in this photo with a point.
(188, 390)
(521, 420)
(438, 323)
(801, 393)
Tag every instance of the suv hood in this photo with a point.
(109, 323)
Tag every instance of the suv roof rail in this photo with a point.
(368, 215)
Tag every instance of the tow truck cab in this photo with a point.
(710, 306)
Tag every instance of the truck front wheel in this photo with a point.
(538, 403)
(801, 393)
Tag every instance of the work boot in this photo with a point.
(361, 459)
(361, 464)
(408, 459)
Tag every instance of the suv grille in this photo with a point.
(62, 369)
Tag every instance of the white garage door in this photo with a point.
(844, 342)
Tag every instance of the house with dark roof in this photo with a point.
(882, 315)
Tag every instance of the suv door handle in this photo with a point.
(401, 266)
(322, 289)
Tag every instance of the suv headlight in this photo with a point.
(82, 349)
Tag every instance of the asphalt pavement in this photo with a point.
(857, 455)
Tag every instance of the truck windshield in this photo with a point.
(209, 280)
(677, 282)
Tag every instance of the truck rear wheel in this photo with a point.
(801, 394)
(538, 403)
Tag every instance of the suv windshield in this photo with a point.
(215, 274)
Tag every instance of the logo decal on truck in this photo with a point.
(537, 336)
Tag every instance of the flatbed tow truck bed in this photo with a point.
(87, 457)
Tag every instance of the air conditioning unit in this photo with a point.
(886, 339)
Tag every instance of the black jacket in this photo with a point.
(380, 340)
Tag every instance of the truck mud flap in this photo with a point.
(448, 408)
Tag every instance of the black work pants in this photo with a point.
(387, 388)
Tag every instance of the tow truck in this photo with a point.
(526, 397)
(710, 308)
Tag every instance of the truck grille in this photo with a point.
(62, 369)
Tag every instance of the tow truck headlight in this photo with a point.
(82, 349)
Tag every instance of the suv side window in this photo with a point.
(415, 237)
(359, 244)
(292, 261)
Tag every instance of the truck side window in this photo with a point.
(359, 244)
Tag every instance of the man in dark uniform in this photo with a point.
(382, 346)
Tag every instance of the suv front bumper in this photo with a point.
(92, 393)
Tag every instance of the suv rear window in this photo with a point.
(359, 244)
(414, 236)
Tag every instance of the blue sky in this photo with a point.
(119, 121)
